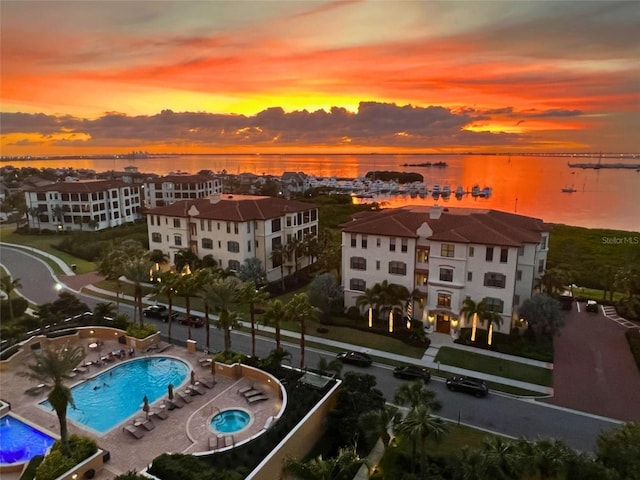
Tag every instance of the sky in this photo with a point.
(92, 77)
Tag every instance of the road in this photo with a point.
(497, 413)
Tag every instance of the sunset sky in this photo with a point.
(297, 76)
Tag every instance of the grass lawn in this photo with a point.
(595, 294)
(458, 437)
(495, 366)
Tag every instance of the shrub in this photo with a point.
(141, 331)
(55, 463)
(130, 475)
(353, 313)
(633, 337)
(18, 304)
(229, 357)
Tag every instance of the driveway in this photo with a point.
(594, 370)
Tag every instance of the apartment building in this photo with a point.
(233, 228)
(446, 255)
(78, 205)
(179, 186)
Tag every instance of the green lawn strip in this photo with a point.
(457, 437)
(495, 366)
(596, 294)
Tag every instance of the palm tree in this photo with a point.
(368, 298)
(103, 310)
(34, 213)
(185, 257)
(553, 280)
(299, 310)
(376, 425)
(418, 425)
(339, 468)
(414, 394)
(188, 286)
(501, 459)
(9, 285)
(223, 296)
(474, 311)
(252, 295)
(205, 277)
(168, 287)
(294, 248)
(311, 246)
(137, 270)
(158, 256)
(278, 255)
(58, 212)
(492, 318)
(272, 317)
(53, 366)
(327, 366)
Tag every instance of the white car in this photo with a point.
(592, 306)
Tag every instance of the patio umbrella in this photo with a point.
(145, 406)
(170, 391)
(193, 377)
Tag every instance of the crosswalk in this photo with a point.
(611, 313)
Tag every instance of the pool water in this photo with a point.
(20, 442)
(104, 401)
(230, 421)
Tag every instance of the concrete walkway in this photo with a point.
(438, 340)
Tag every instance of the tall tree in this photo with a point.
(473, 311)
(299, 310)
(223, 296)
(10, 285)
(272, 317)
(377, 424)
(137, 270)
(368, 298)
(188, 286)
(253, 296)
(414, 394)
(103, 310)
(543, 315)
(326, 295)
(53, 366)
(619, 449)
(185, 257)
(252, 270)
(278, 256)
(168, 287)
(554, 280)
(341, 467)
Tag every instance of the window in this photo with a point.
(469, 276)
(378, 242)
(494, 304)
(504, 255)
(357, 284)
(156, 237)
(446, 275)
(364, 241)
(422, 255)
(471, 251)
(398, 268)
(177, 240)
(494, 280)
(228, 227)
(377, 264)
(314, 215)
(276, 243)
(543, 243)
(248, 227)
(358, 263)
(392, 244)
(519, 275)
(233, 246)
(207, 243)
(489, 254)
(444, 300)
(288, 220)
(516, 300)
(235, 227)
(353, 240)
(520, 251)
(541, 266)
(248, 245)
(404, 245)
(447, 250)
(234, 265)
(276, 225)
(152, 220)
(176, 223)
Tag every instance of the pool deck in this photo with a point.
(186, 430)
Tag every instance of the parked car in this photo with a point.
(471, 385)
(191, 320)
(411, 372)
(566, 302)
(592, 306)
(156, 311)
(355, 358)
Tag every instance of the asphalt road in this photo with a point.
(498, 413)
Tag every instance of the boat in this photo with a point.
(475, 190)
(459, 190)
(485, 192)
(436, 189)
(569, 189)
(446, 190)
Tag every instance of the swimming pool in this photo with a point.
(20, 442)
(104, 401)
(230, 421)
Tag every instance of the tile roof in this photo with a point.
(89, 186)
(182, 178)
(236, 208)
(456, 225)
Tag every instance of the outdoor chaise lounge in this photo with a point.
(207, 383)
(184, 396)
(133, 430)
(245, 389)
(257, 398)
(205, 362)
(196, 389)
(174, 403)
(144, 423)
(160, 413)
(252, 393)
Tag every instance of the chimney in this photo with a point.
(214, 198)
(435, 212)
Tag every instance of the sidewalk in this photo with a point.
(438, 340)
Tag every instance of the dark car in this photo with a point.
(566, 302)
(191, 320)
(355, 358)
(471, 385)
(156, 311)
(592, 306)
(411, 372)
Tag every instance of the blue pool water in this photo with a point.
(230, 421)
(20, 442)
(104, 401)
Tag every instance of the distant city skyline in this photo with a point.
(354, 76)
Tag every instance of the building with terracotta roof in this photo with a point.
(179, 186)
(92, 204)
(234, 228)
(446, 255)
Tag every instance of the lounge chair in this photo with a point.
(152, 347)
(252, 393)
(175, 403)
(205, 362)
(245, 389)
(133, 430)
(257, 398)
(144, 423)
(196, 390)
(160, 413)
(165, 347)
(207, 383)
(185, 397)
